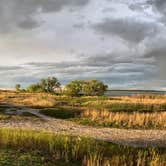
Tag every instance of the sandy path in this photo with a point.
(141, 138)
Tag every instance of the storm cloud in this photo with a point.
(128, 29)
(119, 42)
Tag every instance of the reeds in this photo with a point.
(128, 120)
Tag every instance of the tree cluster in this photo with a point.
(47, 85)
(86, 88)
(74, 88)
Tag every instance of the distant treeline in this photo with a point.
(73, 88)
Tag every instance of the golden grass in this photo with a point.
(127, 100)
(44, 99)
(28, 99)
(138, 103)
(137, 111)
(129, 120)
(146, 99)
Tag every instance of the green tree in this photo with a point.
(94, 88)
(18, 87)
(74, 88)
(34, 88)
(50, 84)
(45, 85)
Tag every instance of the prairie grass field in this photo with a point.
(138, 111)
(42, 148)
(38, 147)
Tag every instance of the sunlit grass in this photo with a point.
(156, 120)
(139, 111)
(78, 150)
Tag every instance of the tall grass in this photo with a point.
(84, 151)
(58, 146)
(123, 119)
(128, 104)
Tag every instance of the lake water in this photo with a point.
(131, 93)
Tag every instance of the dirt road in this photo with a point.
(139, 138)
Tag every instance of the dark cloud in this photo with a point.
(159, 6)
(21, 13)
(128, 29)
(29, 23)
(156, 49)
(140, 6)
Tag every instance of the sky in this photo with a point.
(120, 42)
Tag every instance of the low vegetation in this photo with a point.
(140, 111)
(61, 113)
(18, 157)
(2, 109)
(41, 148)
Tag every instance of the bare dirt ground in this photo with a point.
(139, 138)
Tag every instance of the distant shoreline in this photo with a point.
(114, 90)
(134, 92)
(118, 90)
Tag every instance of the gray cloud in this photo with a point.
(114, 73)
(29, 23)
(79, 26)
(140, 6)
(55, 38)
(21, 13)
(128, 29)
(159, 6)
(136, 7)
(9, 68)
(156, 47)
(109, 68)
